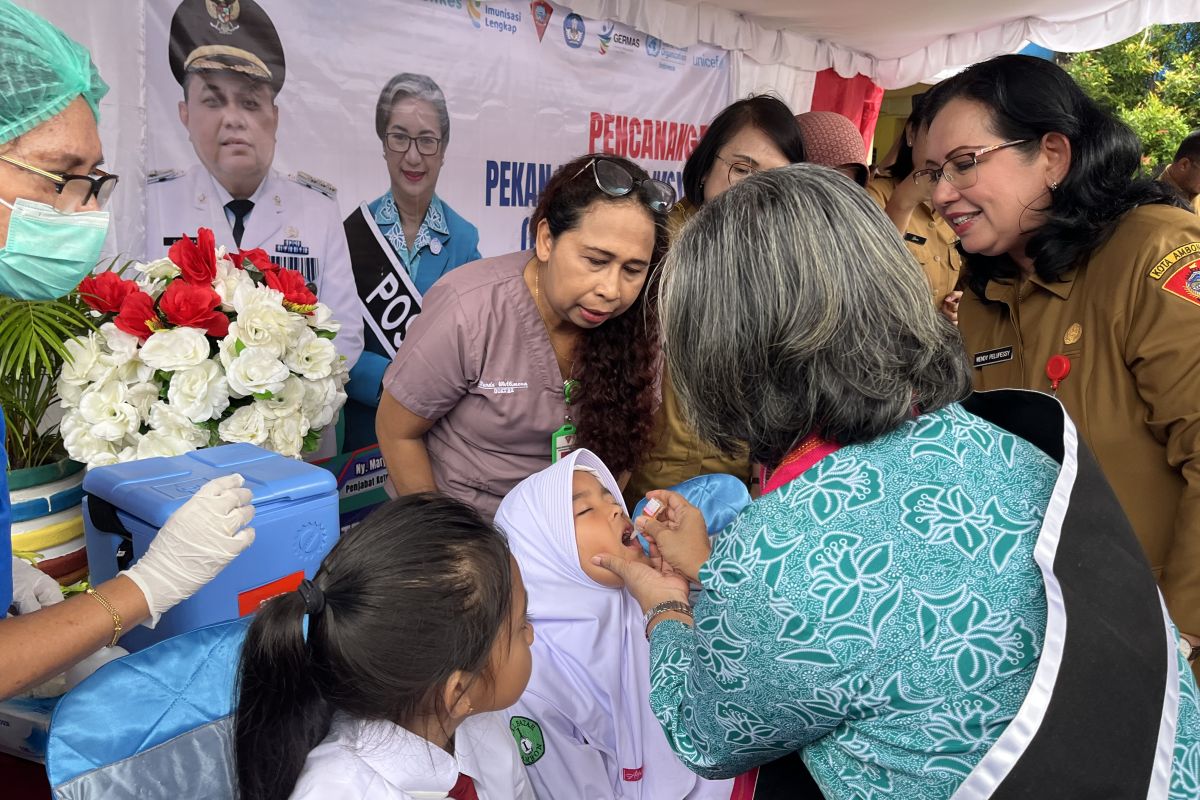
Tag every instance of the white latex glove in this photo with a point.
(32, 588)
(196, 543)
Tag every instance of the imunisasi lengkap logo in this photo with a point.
(501, 20)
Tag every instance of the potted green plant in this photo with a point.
(44, 485)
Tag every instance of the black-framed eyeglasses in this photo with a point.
(74, 191)
(738, 170)
(960, 170)
(615, 181)
(400, 142)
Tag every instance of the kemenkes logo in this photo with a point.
(574, 30)
(605, 36)
(653, 45)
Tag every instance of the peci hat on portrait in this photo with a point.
(232, 35)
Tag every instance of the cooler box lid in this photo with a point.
(153, 488)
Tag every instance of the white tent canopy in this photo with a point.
(896, 44)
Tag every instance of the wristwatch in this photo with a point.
(663, 608)
(1190, 651)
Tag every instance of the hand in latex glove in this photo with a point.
(196, 543)
(32, 588)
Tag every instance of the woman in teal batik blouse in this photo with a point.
(921, 577)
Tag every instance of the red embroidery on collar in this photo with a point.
(799, 461)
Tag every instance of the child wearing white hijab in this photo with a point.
(584, 725)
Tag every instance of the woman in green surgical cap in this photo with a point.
(52, 225)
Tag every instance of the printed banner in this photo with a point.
(528, 86)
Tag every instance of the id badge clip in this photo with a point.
(562, 442)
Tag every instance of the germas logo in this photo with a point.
(625, 40)
(605, 37)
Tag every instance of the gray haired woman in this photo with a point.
(403, 240)
(895, 607)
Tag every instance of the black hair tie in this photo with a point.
(314, 598)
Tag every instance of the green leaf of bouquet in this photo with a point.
(268, 395)
(323, 334)
(238, 347)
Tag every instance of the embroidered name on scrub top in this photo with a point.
(997, 356)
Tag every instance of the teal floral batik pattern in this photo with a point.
(883, 612)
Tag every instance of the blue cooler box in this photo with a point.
(295, 524)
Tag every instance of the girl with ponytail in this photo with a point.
(380, 678)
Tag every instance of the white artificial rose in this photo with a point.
(142, 396)
(256, 371)
(134, 371)
(201, 392)
(287, 402)
(287, 435)
(227, 350)
(161, 443)
(262, 320)
(229, 279)
(170, 421)
(163, 269)
(175, 348)
(122, 346)
(69, 394)
(322, 319)
(311, 356)
(245, 424)
(319, 399)
(103, 406)
(82, 445)
(85, 362)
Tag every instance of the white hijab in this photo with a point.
(591, 658)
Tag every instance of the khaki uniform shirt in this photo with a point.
(929, 238)
(678, 453)
(1129, 321)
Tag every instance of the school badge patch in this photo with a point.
(530, 743)
(1185, 282)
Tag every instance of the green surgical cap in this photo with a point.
(41, 72)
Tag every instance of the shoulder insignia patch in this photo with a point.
(1185, 282)
(163, 175)
(530, 743)
(1189, 251)
(328, 189)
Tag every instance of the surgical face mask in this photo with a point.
(48, 253)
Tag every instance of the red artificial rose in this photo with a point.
(197, 261)
(188, 305)
(296, 294)
(138, 317)
(106, 292)
(257, 257)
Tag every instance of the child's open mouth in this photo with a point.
(628, 538)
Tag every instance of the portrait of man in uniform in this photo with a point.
(228, 59)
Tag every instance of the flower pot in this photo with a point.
(47, 519)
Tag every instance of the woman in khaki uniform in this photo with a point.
(926, 235)
(1082, 282)
(748, 136)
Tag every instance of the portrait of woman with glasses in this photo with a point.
(751, 135)
(1082, 282)
(518, 359)
(404, 240)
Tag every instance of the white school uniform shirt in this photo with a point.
(376, 760)
(587, 730)
(295, 219)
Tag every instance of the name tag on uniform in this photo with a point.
(997, 356)
(914, 238)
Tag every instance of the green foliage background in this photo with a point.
(1152, 82)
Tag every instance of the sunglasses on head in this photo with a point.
(615, 181)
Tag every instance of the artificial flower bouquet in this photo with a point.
(204, 347)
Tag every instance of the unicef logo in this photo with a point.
(653, 46)
(574, 30)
